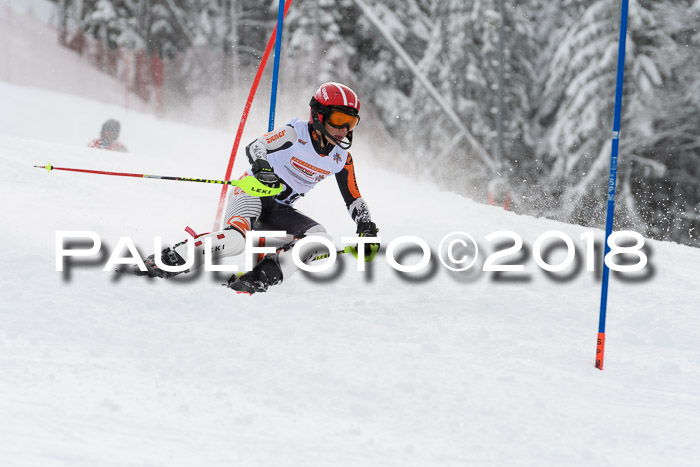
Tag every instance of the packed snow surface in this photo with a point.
(341, 368)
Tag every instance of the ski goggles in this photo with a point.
(338, 119)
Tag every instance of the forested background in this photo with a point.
(558, 67)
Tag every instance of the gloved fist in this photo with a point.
(367, 229)
(264, 173)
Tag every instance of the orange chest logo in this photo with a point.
(308, 169)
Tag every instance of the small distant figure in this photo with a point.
(109, 137)
(499, 193)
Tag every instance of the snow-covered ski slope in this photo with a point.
(442, 369)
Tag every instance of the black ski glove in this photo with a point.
(264, 173)
(368, 229)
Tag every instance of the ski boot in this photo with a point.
(168, 256)
(266, 273)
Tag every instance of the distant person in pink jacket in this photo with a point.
(108, 137)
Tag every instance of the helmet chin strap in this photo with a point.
(321, 128)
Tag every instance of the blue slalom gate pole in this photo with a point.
(275, 70)
(612, 180)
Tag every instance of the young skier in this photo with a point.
(297, 156)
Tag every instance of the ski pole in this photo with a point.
(249, 184)
(347, 249)
(350, 249)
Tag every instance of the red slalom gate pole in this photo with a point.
(244, 118)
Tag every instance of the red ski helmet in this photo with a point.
(338, 105)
